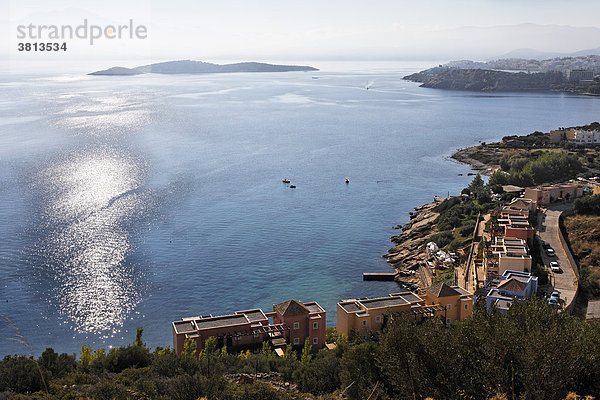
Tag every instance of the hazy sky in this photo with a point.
(310, 29)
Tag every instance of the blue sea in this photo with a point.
(135, 201)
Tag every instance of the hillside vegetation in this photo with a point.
(532, 353)
(582, 231)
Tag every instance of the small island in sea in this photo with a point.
(200, 67)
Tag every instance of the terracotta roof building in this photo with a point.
(457, 302)
(291, 322)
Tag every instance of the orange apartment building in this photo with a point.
(291, 323)
(366, 316)
(456, 301)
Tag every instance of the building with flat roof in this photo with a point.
(365, 316)
(514, 285)
(548, 194)
(578, 75)
(515, 225)
(507, 254)
(291, 322)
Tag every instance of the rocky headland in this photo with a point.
(467, 155)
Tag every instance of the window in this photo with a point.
(315, 325)
(296, 325)
(466, 306)
(296, 340)
(315, 340)
(448, 320)
(378, 318)
(448, 306)
(364, 322)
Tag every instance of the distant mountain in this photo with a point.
(118, 71)
(586, 52)
(531, 54)
(200, 67)
(545, 41)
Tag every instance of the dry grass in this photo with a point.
(584, 235)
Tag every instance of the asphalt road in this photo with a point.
(565, 281)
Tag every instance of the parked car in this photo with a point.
(553, 302)
(555, 295)
(550, 252)
(555, 267)
(545, 245)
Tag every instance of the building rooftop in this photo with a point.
(314, 307)
(218, 322)
(513, 285)
(253, 315)
(291, 307)
(503, 304)
(184, 326)
(351, 306)
(520, 275)
(411, 297)
(461, 291)
(384, 302)
(361, 306)
(512, 188)
(443, 290)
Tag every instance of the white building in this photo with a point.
(582, 138)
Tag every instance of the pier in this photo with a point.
(379, 276)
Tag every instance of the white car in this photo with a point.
(550, 252)
(554, 266)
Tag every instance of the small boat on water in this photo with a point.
(285, 180)
(347, 180)
(292, 186)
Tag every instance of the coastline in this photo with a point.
(465, 156)
(409, 256)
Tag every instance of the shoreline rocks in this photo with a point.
(410, 252)
(409, 256)
(464, 156)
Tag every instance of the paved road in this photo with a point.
(548, 230)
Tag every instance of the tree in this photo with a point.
(476, 184)
(86, 357)
(57, 365)
(359, 372)
(189, 347)
(498, 177)
(267, 351)
(289, 353)
(138, 337)
(306, 352)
